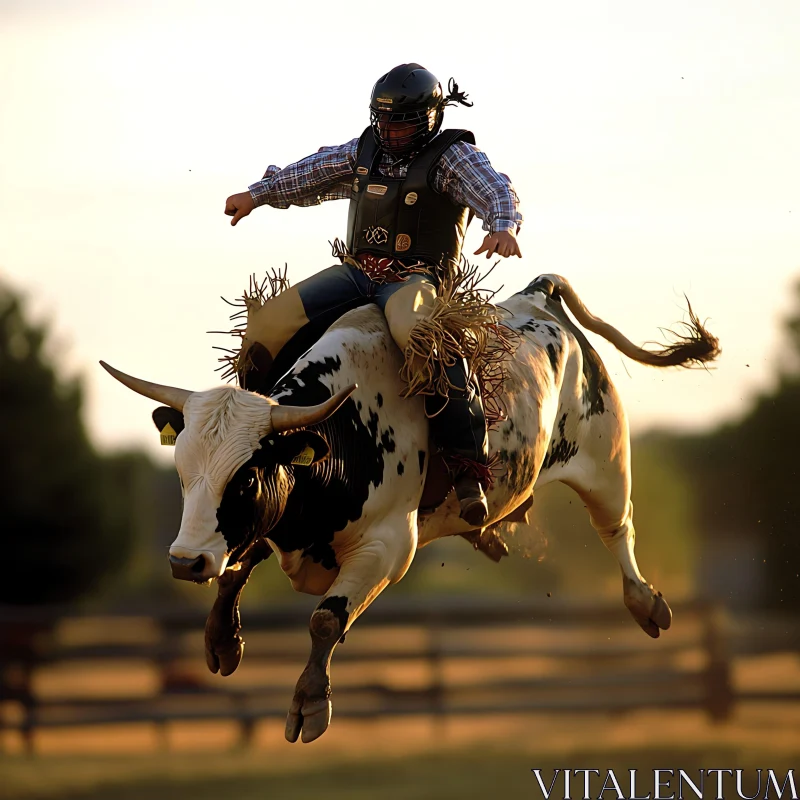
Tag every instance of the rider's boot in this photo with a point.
(458, 426)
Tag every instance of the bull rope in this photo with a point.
(464, 324)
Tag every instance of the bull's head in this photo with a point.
(235, 454)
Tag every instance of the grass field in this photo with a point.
(430, 777)
(403, 758)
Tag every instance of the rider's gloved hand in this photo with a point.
(238, 206)
(502, 243)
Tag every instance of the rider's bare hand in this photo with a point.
(238, 206)
(502, 243)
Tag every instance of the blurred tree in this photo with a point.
(747, 478)
(792, 346)
(64, 511)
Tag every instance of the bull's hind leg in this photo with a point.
(364, 573)
(611, 513)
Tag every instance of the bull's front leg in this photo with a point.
(224, 645)
(364, 573)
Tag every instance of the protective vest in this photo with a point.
(404, 217)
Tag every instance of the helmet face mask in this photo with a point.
(401, 133)
(406, 109)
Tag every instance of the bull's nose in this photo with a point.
(188, 569)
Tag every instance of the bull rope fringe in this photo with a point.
(464, 324)
(256, 294)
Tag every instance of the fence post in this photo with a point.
(162, 660)
(26, 642)
(717, 678)
(247, 722)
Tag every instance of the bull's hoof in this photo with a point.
(224, 658)
(661, 613)
(310, 712)
(488, 542)
(312, 718)
(647, 607)
(493, 546)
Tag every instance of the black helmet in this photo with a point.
(407, 94)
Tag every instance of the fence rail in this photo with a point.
(442, 656)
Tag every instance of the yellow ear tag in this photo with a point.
(305, 458)
(168, 436)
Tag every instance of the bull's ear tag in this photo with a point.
(168, 435)
(305, 458)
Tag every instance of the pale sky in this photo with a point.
(654, 148)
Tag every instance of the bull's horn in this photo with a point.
(169, 395)
(286, 418)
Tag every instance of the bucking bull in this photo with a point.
(328, 470)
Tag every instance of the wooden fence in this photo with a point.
(421, 656)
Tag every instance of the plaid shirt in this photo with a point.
(463, 173)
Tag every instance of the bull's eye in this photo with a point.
(249, 484)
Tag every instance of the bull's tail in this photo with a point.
(692, 346)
